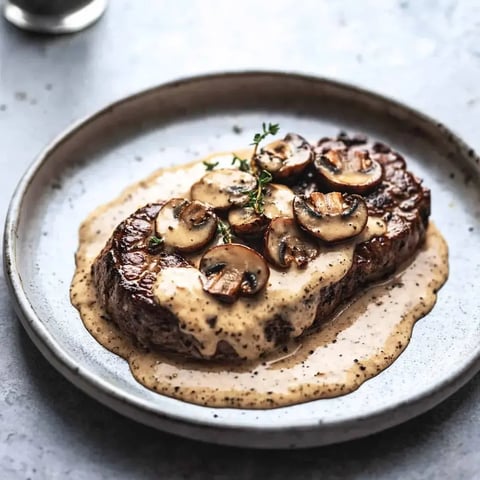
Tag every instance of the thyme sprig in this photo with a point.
(271, 129)
(249, 166)
(256, 197)
(223, 229)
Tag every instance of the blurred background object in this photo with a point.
(53, 16)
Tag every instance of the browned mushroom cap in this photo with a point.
(231, 270)
(342, 141)
(285, 158)
(224, 188)
(352, 171)
(277, 202)
(331, 217)
(285, 244)
(246, 222)
(185, 225)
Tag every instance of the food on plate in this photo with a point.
(331, 217)
(286, 245)
(231, 270)
(277, 202)
(224, 188)
(184, 226)
(348, 167)
(285, 159)
(239, 263)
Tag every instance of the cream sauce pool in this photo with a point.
(359, 342)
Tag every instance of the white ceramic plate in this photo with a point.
(93, 161)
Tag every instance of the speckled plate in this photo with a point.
(174, 123)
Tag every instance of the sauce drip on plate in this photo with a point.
(360, 341)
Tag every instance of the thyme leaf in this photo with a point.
(155, 242)
(243, 164)
(209, 165)
(223, 229)
(256, 197)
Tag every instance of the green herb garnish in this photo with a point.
(242, 163)
(209, 166)
(155, 241)
(272, 129)
(256, 197)
(223, 229)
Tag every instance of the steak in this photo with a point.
(125, 271)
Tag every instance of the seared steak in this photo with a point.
(125, 271)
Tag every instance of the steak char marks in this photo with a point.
(124, 273)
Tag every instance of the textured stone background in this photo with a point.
(425, 53)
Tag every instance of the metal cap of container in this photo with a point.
(53, 16)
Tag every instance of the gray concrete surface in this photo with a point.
(425, 53)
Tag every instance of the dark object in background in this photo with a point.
(53, 16)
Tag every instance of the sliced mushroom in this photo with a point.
(224, 188)
(351, 140)
(231, 270)
(245, 222)
(331, 217)
(285, 158)
(185, 225)
(341, 142)
(277, 202)
(285, 244)
(326, 144)
(352, 170)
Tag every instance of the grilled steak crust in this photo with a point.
(124, 273)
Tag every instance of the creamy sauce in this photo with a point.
(358, 343)
(291, 294)
(278, 201)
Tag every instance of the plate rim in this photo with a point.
(133, 407)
